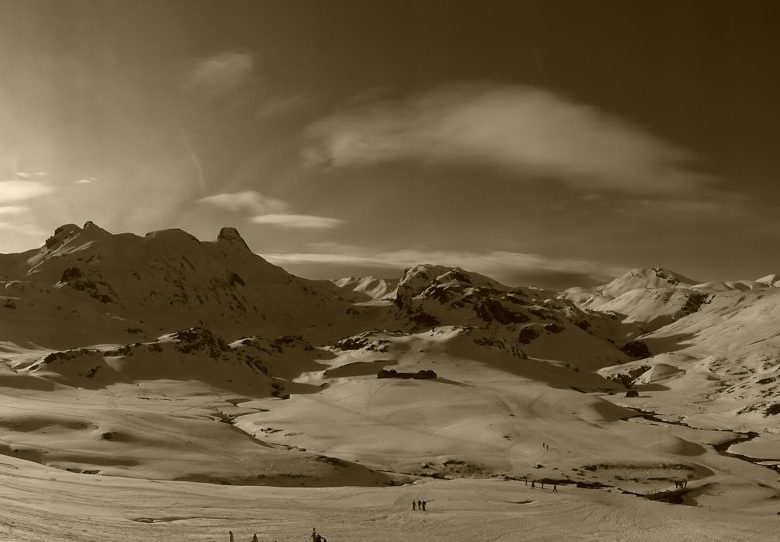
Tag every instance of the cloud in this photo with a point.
(86, 180)
(297, 221)
(280, 105)
(19, 229)
(21, 190)
(523, 131)
(221, 73)
(720, 210)
(510, 267)
(14, 210)
(268, 211)
(248, 201)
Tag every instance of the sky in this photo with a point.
(549, 142)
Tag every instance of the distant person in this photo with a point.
(424, 503)
(254, 538)
(232, 538)
(414, 506)
(555, 488)
(533, 485)
(419, 504)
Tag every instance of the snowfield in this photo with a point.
(162, 387)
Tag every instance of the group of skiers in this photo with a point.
(233, 538)
(419, 505)
(315, 537)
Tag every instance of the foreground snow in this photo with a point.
(45, 504)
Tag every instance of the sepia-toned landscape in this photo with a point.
(409, 270)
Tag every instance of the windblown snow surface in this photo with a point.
(162, 387)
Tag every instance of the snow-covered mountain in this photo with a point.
(644, 278)
(371, 287)
(87, 285)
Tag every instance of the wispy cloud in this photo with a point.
(524, 131)
(718, 206)
(268, 211)
(85, 180)
(510, 267)
(248, 201)
(14, 210)
(22, 190)
(297, 221)
(221, 73)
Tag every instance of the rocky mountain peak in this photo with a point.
(61, 235)
(90, 226)
(773, 279)
(230, 235)
(642, 277)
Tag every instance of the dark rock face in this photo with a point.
(93, 286)
(666, 275)
(196, 338)
(71, 273)
(632, 393)
(231, 236)
(694, 303)
(636, 349)
(527, 334)
(363, 341)
(423, 320)
(62, 234)
(491, 310)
